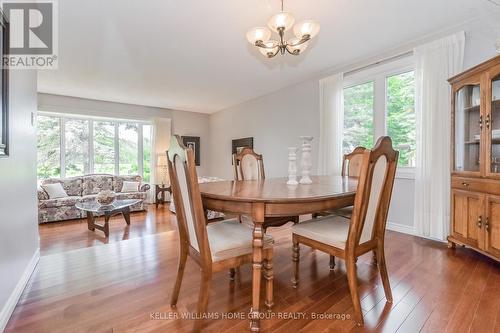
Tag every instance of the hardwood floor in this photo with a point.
(124, 286)
(56, 237)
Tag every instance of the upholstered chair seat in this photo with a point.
(330, 230)
(230, 238)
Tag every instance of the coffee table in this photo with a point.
(93, 209)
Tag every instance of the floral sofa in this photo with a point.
(84, 188)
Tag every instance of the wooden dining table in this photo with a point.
(270, 198)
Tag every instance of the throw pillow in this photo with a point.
(55, 190)
(130, 186)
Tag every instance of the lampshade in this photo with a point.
(281, 20)
(307, 27)
(259, 33)
(270, 50)
(294, 47)
(161, 160)
(162, 176)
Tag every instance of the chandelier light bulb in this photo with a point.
(258, 34)
(306, 28)
(281, 21)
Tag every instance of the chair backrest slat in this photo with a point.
(187, 198)
(376, 180)
(248, 165)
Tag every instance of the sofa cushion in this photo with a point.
(59, 202)
(131, 195)
(72, 186)
(55, 190)
(118, 181)
(93, 184)
(130, 186)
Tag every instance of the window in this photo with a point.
(104, 147)
(76, 138)
(48, 147)
(72, 146)
(358, 116)
(128, 143)
(401, 126)
(381, 101)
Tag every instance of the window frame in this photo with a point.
(91, 119)
(378, 74)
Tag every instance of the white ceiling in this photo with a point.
(192, 54)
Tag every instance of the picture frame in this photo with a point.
(193, 142)
(4, 89)
(239, 144)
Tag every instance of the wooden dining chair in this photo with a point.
(351, 167)
(248, 165)
(217, 246)
(365, 231)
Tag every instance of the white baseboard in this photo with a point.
(11, 303)
(402, 228)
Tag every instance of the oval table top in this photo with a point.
(276, 190)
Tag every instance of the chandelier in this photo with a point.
(303, 31)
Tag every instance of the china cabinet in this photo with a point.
(475, 177)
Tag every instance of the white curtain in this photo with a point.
(331, 115)
(435, 63)
(161, 143)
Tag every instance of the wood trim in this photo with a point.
(488, 77)
(478, 69)
(492, 226)
(453, 240)
(472, 80)
(483, 185)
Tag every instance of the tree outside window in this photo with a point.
(401, 123)
(358, 116)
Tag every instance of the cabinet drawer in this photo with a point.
(490, 186)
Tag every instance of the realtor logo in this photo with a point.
(32, 34)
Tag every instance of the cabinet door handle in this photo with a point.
(465, 184)
(487, 224)
(481, 122)
(480, 221)
(487, 121)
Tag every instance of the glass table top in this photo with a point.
(94, 206)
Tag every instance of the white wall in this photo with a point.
(277, 120)
(18, 205)
(183, 122)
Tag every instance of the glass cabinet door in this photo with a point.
(493, 121)
(468, 128)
